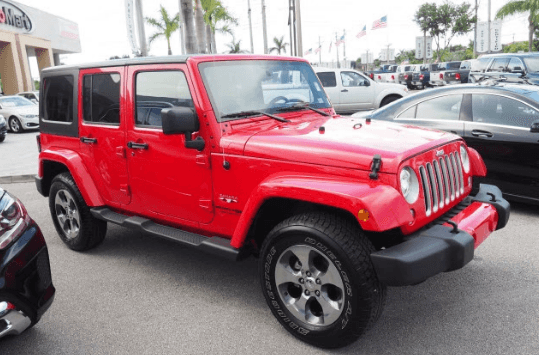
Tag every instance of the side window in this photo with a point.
(502, 110)
(156, 90)
(58, 98)
(499, 64)
(465, 65)
(409, 113)
(515, 64)
(440, 108)
(351, 79)
(328, 79)
(101, 98)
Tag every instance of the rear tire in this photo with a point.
(72, 218)
(318, 279)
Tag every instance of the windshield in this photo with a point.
(15, 102)
(260, 85)
(532, 64)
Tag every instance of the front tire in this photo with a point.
(389, 99)
(75, 225)
(318, 279)
(15, 125)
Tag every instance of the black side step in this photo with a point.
(214, 245)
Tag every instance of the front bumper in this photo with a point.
(442, 247)
(25, 282)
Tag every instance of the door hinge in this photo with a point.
(205, 204)
(120, 151)
(125, 189)
(203, 160)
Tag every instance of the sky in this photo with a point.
(103, 33)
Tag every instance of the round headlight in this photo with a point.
(409, 184)
(465, 159)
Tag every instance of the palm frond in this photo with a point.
(155, 23)
(513, 7)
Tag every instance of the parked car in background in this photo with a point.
(421, 78)
(405, 78)
(394, 77)
(351, 91)
(26, 289)
(437, 78)
(510, 67)
(30, 95)
(3, 128)
(457, 76)
(20, 113)
(477, 68)
(379, 75)
(500, 121)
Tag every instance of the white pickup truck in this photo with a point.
(351, 91)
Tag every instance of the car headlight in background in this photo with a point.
(465, 159)
(2, 119)
(409, 184)
(29, 116)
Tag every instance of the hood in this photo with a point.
(24, 110)
(343, 142)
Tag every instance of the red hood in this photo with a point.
(345, 142)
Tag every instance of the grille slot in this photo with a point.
(442, 181)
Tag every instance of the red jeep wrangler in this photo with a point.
(241, 155)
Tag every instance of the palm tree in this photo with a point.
(189, 36)
(235, 47)
(279, 45)
(215, 12)
(165, 25)
(200, 27)
(519, 6)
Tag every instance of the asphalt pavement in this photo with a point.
(19, 157)
(135, 294)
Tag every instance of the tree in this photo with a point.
(165, 25)
(280, 45)
(515, 7)
(214, 13)
(444, 22)
(189, 36)
(200, 27)
(234, 47)
(516, 47)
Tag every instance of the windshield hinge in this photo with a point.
(375, 166)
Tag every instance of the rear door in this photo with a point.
(102, 131)
(500, 132)
(442, 112)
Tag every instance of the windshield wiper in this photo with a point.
(302, 105)
(254, 113)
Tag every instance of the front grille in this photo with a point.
(442, 181)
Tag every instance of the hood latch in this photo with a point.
(375, 166)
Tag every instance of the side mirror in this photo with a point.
(535, 127)
(182, 120)
(366, 83)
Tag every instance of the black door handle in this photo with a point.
(454, 132)
(479, 133)
(134, 145)
(88, 140)
(345, 90)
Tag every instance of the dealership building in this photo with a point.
(26, 32)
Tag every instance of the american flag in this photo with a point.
(363, 32)
(341, 40)
(381, 23)
(310, 51)
(317, 50)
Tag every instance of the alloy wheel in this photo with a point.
(67, 213)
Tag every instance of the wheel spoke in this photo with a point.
(331, 277)
(304, 256)
(61, 219)
(285, 274)
(331, 309)
(300, 306)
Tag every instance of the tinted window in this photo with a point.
(452, 65)
(499, 64)
(101, 98)
(328, 79)
(58, 98)
(479, 65)
(515, 64)
(157, 90)
(465, 65)
(502, 110)
(409, 113)
(440, 108)
(352, 79)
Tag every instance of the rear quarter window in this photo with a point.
(328, 79)
(58, 98)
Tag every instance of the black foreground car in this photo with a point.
(26, 289)
(500, 121)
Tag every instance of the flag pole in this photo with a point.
(337, 50)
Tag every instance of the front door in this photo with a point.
(357, 92)
(167, 179)
(102, 131)
(500, 132)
